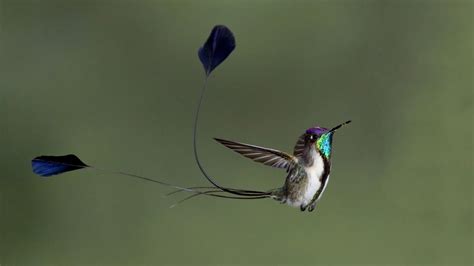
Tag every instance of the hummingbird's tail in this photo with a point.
(47, 166)
(275, 194)
(215, 193)
(215, 50)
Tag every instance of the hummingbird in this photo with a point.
(308, 168)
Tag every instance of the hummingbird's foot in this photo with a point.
(303, 207)
(311, 207)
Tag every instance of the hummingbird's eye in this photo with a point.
(312, 137)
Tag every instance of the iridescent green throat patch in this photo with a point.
(324, 144)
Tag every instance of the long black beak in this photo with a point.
(339, 126)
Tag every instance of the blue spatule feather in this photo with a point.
(53, 165)
(217, 48)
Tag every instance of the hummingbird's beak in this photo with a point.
(338, 126)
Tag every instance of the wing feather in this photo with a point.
(299, 146)
(270, 157)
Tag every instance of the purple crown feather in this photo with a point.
(316, 130)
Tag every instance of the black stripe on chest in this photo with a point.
(324, 177)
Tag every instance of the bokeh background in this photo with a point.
(116, 82)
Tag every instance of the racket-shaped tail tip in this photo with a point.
(217, 48)
(46, 166)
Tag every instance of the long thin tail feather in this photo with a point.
(212, 193)
(241, 192)
(46, 166)
(216, 49)
(181, 190)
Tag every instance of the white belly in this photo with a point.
(314, 174)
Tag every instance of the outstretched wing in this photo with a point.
(270, 157)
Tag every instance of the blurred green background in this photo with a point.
(116, 82)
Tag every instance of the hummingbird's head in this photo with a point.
(321, 138)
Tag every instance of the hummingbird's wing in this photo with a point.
(270, 157)
(300, 146)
